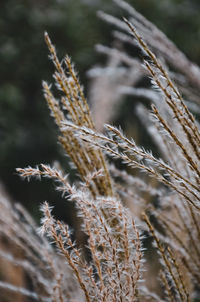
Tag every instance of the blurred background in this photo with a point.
(28, 135)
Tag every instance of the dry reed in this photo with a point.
(111, 203)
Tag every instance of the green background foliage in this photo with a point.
(27, 133)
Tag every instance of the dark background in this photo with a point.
(27, 132)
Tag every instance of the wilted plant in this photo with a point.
(114, 239)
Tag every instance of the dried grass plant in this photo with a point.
(115, 215)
